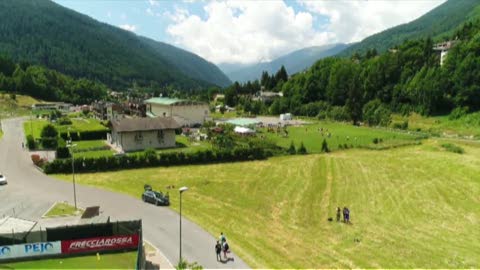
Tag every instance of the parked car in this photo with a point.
(3, 179)
(155, 197)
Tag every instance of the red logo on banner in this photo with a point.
(100, 243)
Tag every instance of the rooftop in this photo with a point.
(171, 101)
(144, 124)
(243, 122)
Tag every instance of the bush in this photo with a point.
(302, 150)
(453, 148)
(403, 125)
(291, 150)
(64, 121)
(458, 113)
(37, 160)
(375, 113)
(339, 114)
(375, 140)
(31, 142)
(325, 148)
(63, 152)
(151, 159)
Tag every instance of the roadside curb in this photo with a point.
(161, 259)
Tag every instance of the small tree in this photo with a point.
(30, 142)
(291, 149)
(325, 148)
(302, 150)
(49, 137)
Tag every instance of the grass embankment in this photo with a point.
(15, 107)
(465, 126)
(107, 261)
(62, 209)
(337, 134)
(411, 207)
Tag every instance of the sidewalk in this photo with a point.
(155, 258)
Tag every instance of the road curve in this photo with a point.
(31, 192)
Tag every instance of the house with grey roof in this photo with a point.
(185, 112)
(135, 134)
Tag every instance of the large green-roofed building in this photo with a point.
(185, 112)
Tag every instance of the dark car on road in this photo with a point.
(157, 198)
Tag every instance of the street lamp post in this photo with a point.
(182, 189)
(70, 145)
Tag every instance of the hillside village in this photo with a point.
(118, 151)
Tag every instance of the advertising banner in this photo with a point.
(100, 243)
(30, 250)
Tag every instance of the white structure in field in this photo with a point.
(185, 112)
(285, 116)
(141, 133)
(443, 48)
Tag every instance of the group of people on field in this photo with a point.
(346, 214)
(222, 245)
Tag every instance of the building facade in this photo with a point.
(185, 112)
(138, 134)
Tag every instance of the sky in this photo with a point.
(251, 31)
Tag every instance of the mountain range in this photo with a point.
(43, 32)
(293, 62)
(437, 24)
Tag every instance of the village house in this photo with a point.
(185, 112)
(137, 134)
(106, 110)
(443, 48)
(267, 96)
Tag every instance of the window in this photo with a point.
(161, 136)
(139, 137)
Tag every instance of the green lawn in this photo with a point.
(63, 209)
(340, 133)
(107, 261)
(18, 107)
(411, 207)
(78, 124)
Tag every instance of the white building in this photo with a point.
(443, 48)
(136, 134)
(185, 112)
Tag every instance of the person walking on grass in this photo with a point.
(344, 214)
(338, 214)
(218, 250)
(347, 216)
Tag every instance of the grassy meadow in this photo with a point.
(125, 260)
(312, 136)
(466, 126)
(411, 207)
(78, 124)
(19, 106)
(63, 209)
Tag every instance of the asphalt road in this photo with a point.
(30, 193)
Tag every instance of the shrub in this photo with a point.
(403, 125)
(458, 113)
(339, 114)
(453, 148)
(49, 137)
(37, 160)
(31, 142)
(63, 152)
(64, 121)
(325, 148)
(375, 113)
(291, 149)
(375, 140)
(302, 150)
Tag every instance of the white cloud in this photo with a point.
(128, 27)
(153, 2)
(251, 31)
(150, 11)
(355, 20)
(245, 31)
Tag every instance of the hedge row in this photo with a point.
(156, 160)
(85, 135)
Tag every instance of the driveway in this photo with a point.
(30, 193)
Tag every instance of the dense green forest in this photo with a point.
(371, 85)
(438, 24)
(44, 33)
(47, 84)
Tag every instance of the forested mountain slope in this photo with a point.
(438, 23)
(43, 32)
